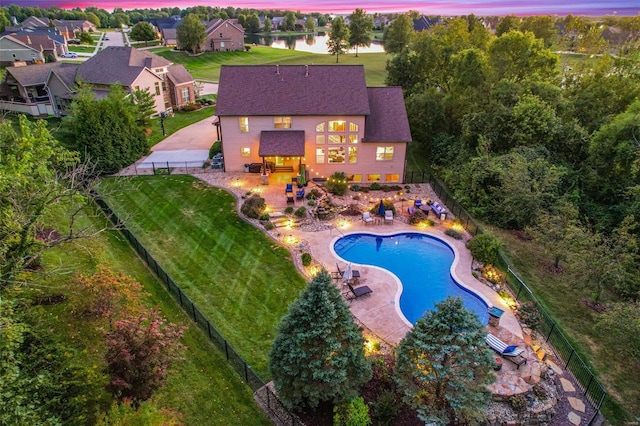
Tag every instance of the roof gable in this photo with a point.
(292, 90)
(121, 65)
(388, 121)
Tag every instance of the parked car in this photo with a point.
(73, 41)
(106, 38)
(69, 55)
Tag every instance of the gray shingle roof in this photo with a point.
(281, 143)
(32, 75)
(291, 90)
(119, 65)
(179, 75)
(388, 121)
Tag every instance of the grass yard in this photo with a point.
(207, 65)
(203, 387)
(238, 277)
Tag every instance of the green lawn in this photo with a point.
(203, 387)
(238, 277)
(207, 65)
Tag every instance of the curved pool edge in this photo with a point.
(399, 288)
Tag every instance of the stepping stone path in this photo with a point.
(574, 418)
(576, 404)
(567, 385)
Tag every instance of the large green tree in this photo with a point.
(338, 38)
(109, 132)
(143, 31)
(444, 366)
(360, 29)
(190, 34)
(398, 34)
(318, 353)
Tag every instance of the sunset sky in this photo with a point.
(432, 7)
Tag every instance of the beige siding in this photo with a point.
(147, 80)
(10, 52)
(233, 141)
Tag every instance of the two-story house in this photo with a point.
(223, 35)
(322, 116)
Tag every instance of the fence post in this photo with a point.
(553, 327)
(153, 166)
(193, 309)
(226, 349)
(180, 296)
(566, 365)
(209, 329)
(586, 389)
(168, 169)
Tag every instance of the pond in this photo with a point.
(307, 43)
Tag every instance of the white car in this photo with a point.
(69, 55)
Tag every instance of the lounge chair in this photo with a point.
(366, 218)
(388, 216)
(289, 188)
(358, 291)
(300, 193)
(511, 353)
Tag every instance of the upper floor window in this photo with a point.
(244, 124)
(337, 126)
(157, 84)
(384, 153)
(281, 122)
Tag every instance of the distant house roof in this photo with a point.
(33, 75)
(292, 90)
(165, 23)
(424, 23)
(169, 33)
(281, 143)
(388, 120)
(179, 75)
(52, 33)
(39, 42)
(124, 65)
(214, 24)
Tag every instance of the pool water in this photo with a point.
(421, 262)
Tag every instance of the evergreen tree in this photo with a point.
(360, 29)
(338, 38)
(318, 354)
(444, 366)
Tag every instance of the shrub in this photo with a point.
(355, 413)
(385, 188)
(264, 216)
(356, 187)
(191, 106)
(253, 206)
(375, 186)
(484, 247)
(288, 210)
(453, 233)
(493, 275)
(215, 148)
(528, 314)
(416, 217)
(337, 183)
(306, 259)
(388, 205)
(385, 408)
(314, 194)
(311, 203)
(269, 226)
(300, 211)
(518, 403)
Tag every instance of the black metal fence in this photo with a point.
(549, 329)
(174, 167)
(250, 377)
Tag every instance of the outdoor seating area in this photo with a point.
(511, 353)
(388, 216)
(366, 218)
(357, 292)
(349, 275)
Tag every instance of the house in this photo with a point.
(15, 48)
(67, 27)
(320, 116)
(425, 23)
(167, 28)
(223, 35)
(48, 89)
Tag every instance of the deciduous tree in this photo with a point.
(398, 34)
(318, 353)
(143, 31)
(338, 38)
(360, 29)
(444, 366)
(190, 34)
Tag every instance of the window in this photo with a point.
(353, 138)
(336, 139)
(157, 88)
(336, 155)
(373, 178)
(353, 154)
(281, 122)
(337, 126)
(320, 139)
(244, 124)
(353, 127)
(319, 155)
(185, 95)
(222, 44)
(392, 178)
(384, 153)
(355, 178)
(320, 127)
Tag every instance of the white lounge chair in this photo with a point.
(366, 218)
(388, 216)
(512, 353)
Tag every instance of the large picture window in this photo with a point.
(244, 124)
(384, 153)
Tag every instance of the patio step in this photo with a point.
(284, 221)
(284, 169)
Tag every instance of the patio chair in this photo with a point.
(366, 218)
(511, 353)
(358, 291)
(300, 193)
(388, 216)
(417, 203)
(289, 188)
(355, 274)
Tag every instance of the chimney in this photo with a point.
(306, 70)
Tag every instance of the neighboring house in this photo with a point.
(167, 28)
(67, 27)
(169, 36)
(223, 35)
(425, 23)
(59, 41)
(49, 88)
(15, 49)
(380, 22)
(322, 116)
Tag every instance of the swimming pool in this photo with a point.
(420, 261)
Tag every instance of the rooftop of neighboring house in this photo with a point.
(292, 90)
(32, 75)
(39, 42)
(124, 65)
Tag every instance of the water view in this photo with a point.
(307, 43)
